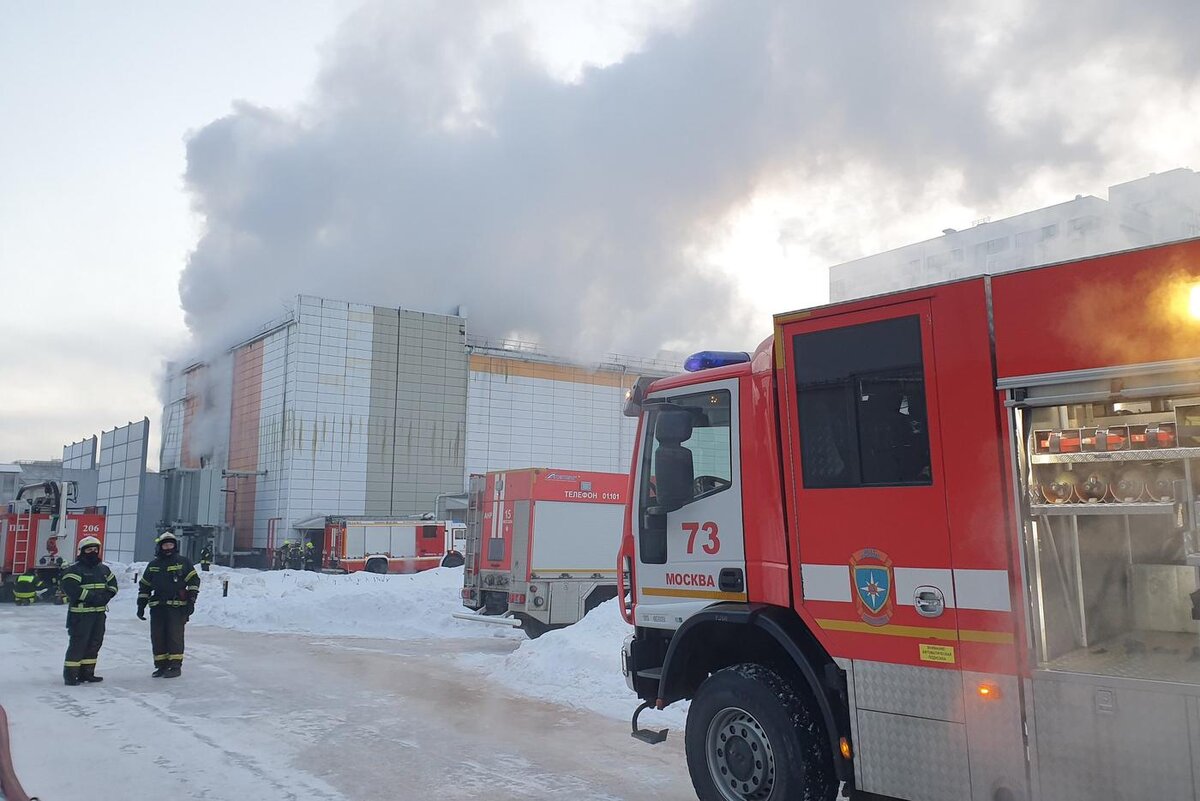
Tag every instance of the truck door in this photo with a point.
(689, 545)
(873, 538)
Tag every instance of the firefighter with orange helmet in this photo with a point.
(89, 585)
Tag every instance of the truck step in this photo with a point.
(649, 736)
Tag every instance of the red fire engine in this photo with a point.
(935, 545)
(385, 545)
(38, 532)
(540, 546)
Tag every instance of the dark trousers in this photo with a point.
(166, 635)
(86, 631)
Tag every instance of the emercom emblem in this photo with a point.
(871, 572)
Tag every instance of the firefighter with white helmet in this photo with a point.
(169, 586)
(89, 585)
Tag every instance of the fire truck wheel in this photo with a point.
(532, 627)
(753, 735)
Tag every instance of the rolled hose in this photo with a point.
(9, 784)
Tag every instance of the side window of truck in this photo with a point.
(861, 398)
(687, 455)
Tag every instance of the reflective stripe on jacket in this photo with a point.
(27, 587)
(89, 589)
(169, 581)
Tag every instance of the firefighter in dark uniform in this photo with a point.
(27, 588)
(169, 587)
(205, 558)
(89, 585)
(310, 556)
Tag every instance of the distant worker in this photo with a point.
(310, 556)
(169, 587)
(295, 556)
(89, 585)
(206, 558)
(27, 587)
(54, 590)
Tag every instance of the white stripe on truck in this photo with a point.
(983, 590)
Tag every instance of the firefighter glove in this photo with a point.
(141, 612)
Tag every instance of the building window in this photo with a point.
(1049, 231)
(862, 410)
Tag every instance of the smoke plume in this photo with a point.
(440, 162)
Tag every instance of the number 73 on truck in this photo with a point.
(937, 545)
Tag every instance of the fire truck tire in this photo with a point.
(754, 735)
(377, 566)
(533, 627)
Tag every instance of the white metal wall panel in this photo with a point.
(325, 415)
(170, 454)
(80, 455)
(122, 471)
(519, 421)
(576, 537)
(270, 497)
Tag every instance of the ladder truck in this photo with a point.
(39, 530)
(935, 545)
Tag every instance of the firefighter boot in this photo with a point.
(87, 673)
(172, 672)
(70, 676)
(159, 672)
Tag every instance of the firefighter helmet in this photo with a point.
(88, 542)
(166, 535)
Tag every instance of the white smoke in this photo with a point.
(444, 159)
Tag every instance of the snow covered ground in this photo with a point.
(578, 666)
(304, 685)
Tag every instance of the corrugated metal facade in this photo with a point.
(352, 409)
(526, 413)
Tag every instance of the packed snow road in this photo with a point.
(304, 716)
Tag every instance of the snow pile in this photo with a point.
(577, 666)
(393, 607)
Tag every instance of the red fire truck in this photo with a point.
(38, 531)
(936, 545)
(385, 545)
(540, 546)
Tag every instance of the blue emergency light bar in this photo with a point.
(708, 359)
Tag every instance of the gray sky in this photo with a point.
(663, 179)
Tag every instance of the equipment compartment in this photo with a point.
(1111, 550)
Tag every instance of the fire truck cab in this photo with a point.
(937, 545)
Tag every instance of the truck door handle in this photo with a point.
(929, 601)
(731, 580)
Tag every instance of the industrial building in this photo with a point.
(349, 409)
(1159, 208)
